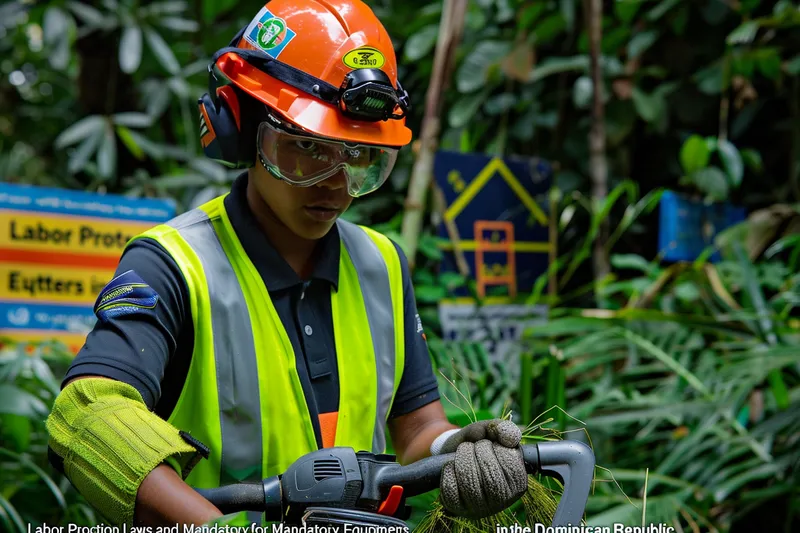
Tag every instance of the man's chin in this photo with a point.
(313, 230)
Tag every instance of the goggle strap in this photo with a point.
(286, 73)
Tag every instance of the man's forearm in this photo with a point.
(420, 446)
(164, 499)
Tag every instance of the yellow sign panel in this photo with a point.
(53, 284)
(58, 250)
(53, 233)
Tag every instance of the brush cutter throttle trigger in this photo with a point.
(338, 482)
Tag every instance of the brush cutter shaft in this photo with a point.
(341, 478)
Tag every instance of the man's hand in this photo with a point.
(488, 474)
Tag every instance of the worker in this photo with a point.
(261, 326)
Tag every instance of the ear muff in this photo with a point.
(222, 135)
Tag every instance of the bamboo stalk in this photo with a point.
(450, 29)
(440, 206)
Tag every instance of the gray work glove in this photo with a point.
(488, 474)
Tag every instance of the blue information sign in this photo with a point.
(500, 209)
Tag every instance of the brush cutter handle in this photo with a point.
(341, 478)
(571, 462)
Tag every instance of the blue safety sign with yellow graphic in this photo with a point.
(500, 210)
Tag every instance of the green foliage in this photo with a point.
(32, 492)
(709, 180)
(694, 373)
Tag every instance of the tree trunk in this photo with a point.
(450, 30)
(598, 167)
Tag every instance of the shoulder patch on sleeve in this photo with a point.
(126, 294)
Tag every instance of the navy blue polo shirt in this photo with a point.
(152, 350)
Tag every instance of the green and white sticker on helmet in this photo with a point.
(364, 57)
(269, 33)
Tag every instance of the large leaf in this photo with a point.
(473, 74)
(500, 103)
(694, 154)
(712, 182)
(649, 106)
(107, 153)
(793, 66)
(80, 131)
(709, 79)
(81, 155)
(150, 148)
(179, 24)
(768, 61)
(56, 28)
(752, 158)
(20, 402)
(48, 481)
(625, 11)
(732, 161)
(162, 51)
(89, 15)
(133, 120)
(130, 49)
(421, 43)
(634, 262)
(568, 13)
(549, 28)
(11, 516)
(557, 65)
(15, 431)
(744, 33)
(465, 108)
(158, 100)
(661, 9)
(641, 42)
(529, 14)
(582, 92)
(124, 135)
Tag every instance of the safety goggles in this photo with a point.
(304, 160)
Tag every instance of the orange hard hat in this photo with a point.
(306, 54)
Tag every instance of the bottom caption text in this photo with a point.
(188, 528)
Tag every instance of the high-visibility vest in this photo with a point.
(242, 396)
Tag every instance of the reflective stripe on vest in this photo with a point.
(233, 314)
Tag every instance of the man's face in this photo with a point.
(308, 212)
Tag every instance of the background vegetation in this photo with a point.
(686, 370)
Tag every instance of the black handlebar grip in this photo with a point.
(417, 478)
(261, 496)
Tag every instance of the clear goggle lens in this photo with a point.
(305, 161)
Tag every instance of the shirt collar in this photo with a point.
(274, 269)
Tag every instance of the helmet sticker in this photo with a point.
(364, 57)
(269, 33)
